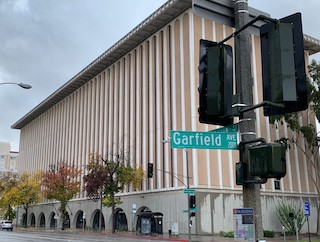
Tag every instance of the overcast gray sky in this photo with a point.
(46, 42)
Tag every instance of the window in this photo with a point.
(277, 184)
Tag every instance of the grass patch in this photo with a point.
(229, 234)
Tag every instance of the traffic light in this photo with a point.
(283, 65)
(215, 83)
(150, 170)
(268, 160)
(192, 201)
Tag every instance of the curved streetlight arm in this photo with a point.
(22, 85)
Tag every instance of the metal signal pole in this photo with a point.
(251, 192)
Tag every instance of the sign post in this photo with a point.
(307, 213)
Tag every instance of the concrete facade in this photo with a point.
(8, 158)
(131, 97)
(215, 212)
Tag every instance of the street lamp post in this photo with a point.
(83, 220)
(22, 85)
(17, 215)
(100, 214)
(188, 186)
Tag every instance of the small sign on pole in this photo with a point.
(134, 208)
(189, 191)
(307, 213)
(306, 208)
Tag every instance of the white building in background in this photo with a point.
(8, 158)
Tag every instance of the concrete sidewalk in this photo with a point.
(180, 237)
(217, 238)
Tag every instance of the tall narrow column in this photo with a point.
(251, 192)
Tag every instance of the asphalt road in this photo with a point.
(56, 235)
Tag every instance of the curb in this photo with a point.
(160, 238)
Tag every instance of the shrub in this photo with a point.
(229, 234)
(268, 233)
(283, 211)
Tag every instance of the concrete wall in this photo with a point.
(214, 214)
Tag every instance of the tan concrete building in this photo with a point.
(8, 159)
(132, 96)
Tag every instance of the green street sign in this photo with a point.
(191, 210)
(233, 128)
(189, 191)
(204, 140)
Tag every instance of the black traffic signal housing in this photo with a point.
(150, 170)
(268, 160)
(215, 83)
(283, 65)
(192, 201)
(241, 173)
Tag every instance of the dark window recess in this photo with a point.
(277, 184)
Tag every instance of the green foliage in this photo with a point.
(229, 234)
(268, 233)
(29, 189)
(60, 183)
(283, 211)
(310, 134)
(10, 214)
(314, 71)
(18, 190)
(109, 175)
(107, 201)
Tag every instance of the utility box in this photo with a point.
(268, 160)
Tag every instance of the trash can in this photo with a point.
(158, 224)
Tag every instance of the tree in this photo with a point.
(27, 191)
(18, 190)
(24, 191)
(8, 185)
(60, 183)
(109, 176)
(95, 182)
(307, 130)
